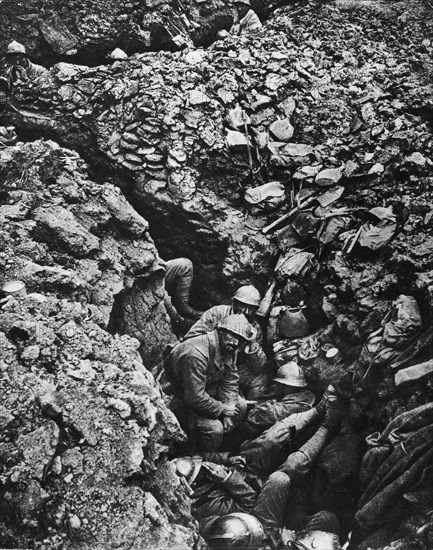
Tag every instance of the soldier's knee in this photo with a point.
(209, 425)
(210, 434)
(178, 267)
(242, 408)
(185, 266)
(282, 479)
(217, 429)
(296, 465)
(324, 521)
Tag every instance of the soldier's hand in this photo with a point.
(228, 424)
(287, 536)
(230, 409)
(216, 471)
(238, 461)
(251, 345)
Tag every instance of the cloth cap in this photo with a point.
(291, 374)
(237, 324)
(16, 47)
(248, 294)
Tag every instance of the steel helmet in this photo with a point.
(235, 531)
(317, 539)
(291, 374)
(15, 47)
(188, 467)
(248, 294)
(237, 324)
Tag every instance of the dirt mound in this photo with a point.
(84, 431)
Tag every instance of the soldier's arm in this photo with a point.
(242, 494)
(254, 355)
(229, 392)
(235, 493)
(207, 323)
(194, 372)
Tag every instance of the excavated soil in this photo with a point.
(104, 167)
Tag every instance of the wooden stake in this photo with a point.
(355, 238)
(301, 205)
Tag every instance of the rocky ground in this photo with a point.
(331, 102)
(82, 421)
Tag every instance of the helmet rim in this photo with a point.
(247, 294)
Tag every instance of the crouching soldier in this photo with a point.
(254, 376)
(247, 20)
(19, 67)
(203, 375)
(237, 510)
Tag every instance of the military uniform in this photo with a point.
(18, 73)
(178, 281)
(261, 491)
(265, 414)
(250, 22)
(206, 382)
(254, 377)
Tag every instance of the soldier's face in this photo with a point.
(246, 309)
(242, 10)
(14, 59)
(229, 342)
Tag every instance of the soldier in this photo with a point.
(203, 375)
(178, 281)
(247, 20)
(240, 511)
(254, 377)
(293, 397)
(20, 68)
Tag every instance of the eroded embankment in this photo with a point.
(331, 103)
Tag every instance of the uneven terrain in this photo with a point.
(330, 101)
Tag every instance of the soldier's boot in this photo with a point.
(330, 393)
(183, 291)
(299, 464)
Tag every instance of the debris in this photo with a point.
(377, 168)
(330, 196)
(198, 97)
(415, 373)
(118, 54)
(330, 176)
(294, 262)
(354, 240)
(285, 217)
(58, 35)
(266, 303)
(374, 237)
(236, 140)
(288, 106)
(237, 118)
(282, 129)
(269, 195)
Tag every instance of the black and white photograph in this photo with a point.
(216, 274)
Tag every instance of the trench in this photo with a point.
(177, 232)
